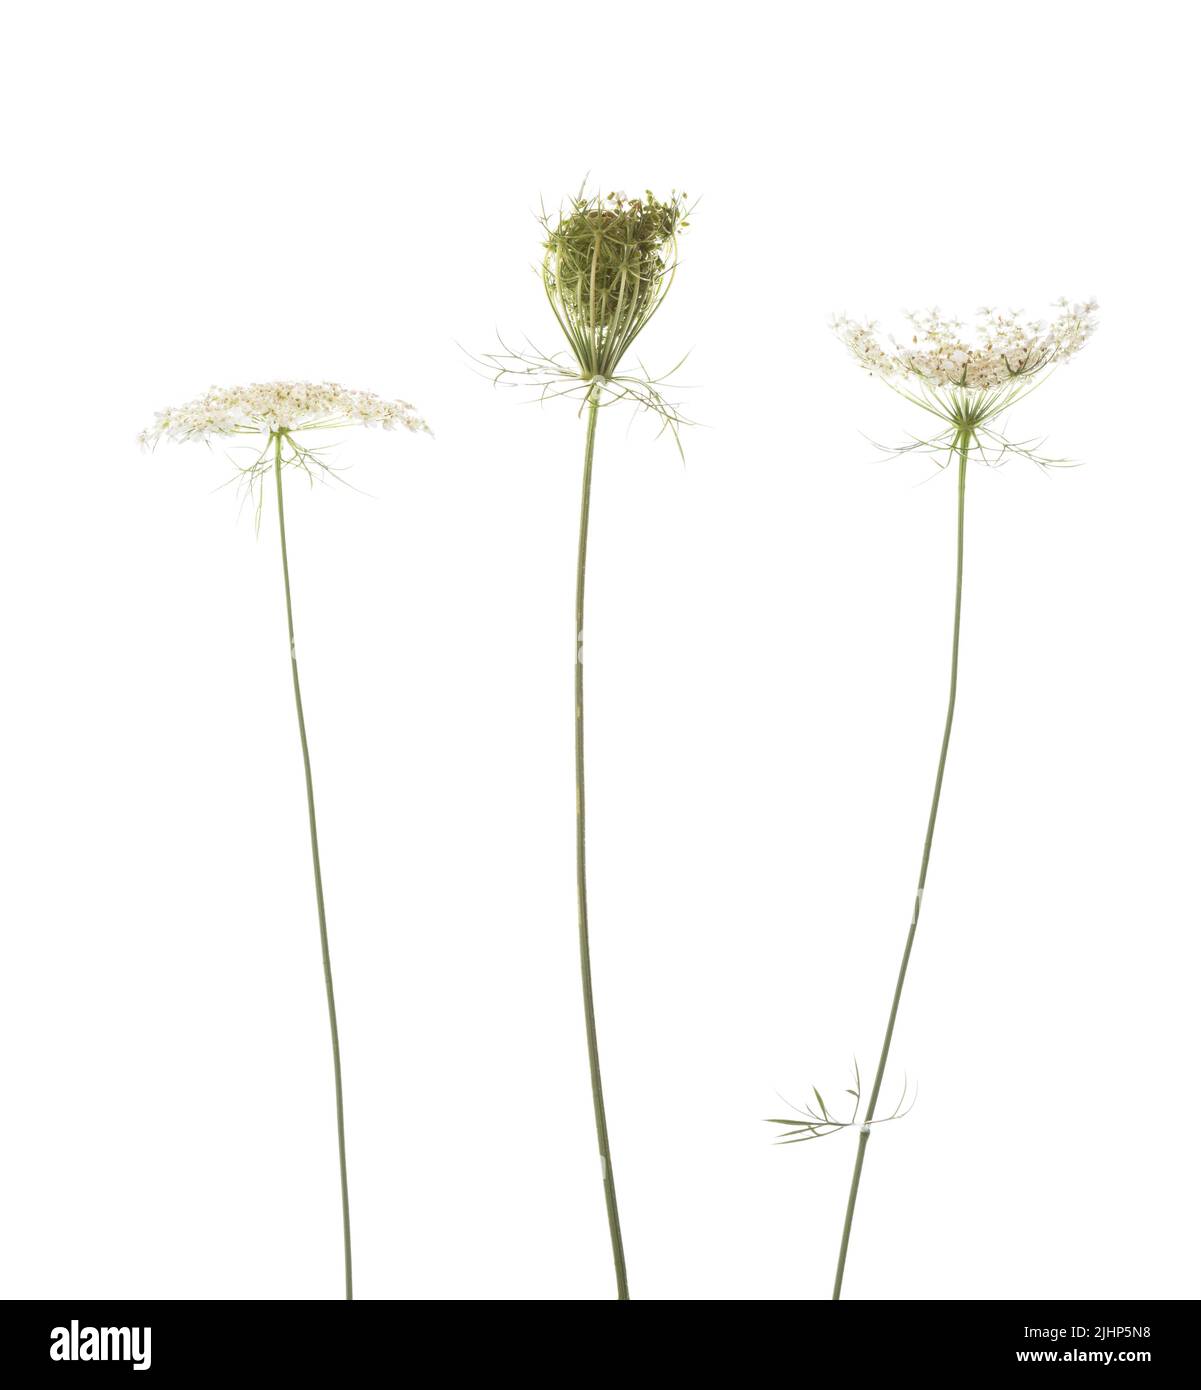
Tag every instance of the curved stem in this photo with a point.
(598, 1095)
(308, 785)
(962, 445)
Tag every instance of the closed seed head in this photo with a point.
(608, 262)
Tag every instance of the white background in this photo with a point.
(228, 192)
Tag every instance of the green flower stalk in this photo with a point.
(278, 416)
(608, 263)
(965, 386)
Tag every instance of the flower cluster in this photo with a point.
(941, 353)
(279, 406)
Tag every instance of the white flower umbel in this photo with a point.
(276, 413)
(968, 380)
(279, 405)
(965, 383)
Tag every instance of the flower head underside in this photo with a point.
(967, 379)
(275, 413)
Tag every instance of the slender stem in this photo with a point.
(598, 1095)
(962, 444)
(308, 786)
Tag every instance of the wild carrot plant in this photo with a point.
(963, 385)
(607, 264)
(279, 420)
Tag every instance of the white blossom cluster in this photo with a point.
(941, 352)
(279, 405)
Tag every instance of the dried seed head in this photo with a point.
(608, 262)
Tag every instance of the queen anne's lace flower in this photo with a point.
(279, 406)
(941, 353)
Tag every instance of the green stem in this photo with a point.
(598, 1095)
(962, 444)
(308, 786)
